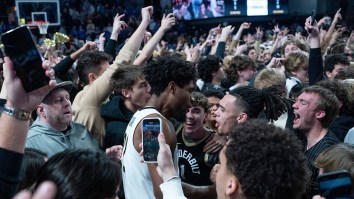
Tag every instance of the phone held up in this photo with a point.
(151, 128)
(335, 185)
(27, 60)
(313, 16)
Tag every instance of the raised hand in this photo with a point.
(314, 29)
(146, 13)
(167, 22)
(90, 45)
(337, 16)
(259, 33)
(118, 25)
(245, 25)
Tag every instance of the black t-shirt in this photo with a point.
(195, 165)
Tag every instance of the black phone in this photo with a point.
(335, 185)
(168, 11)
(27, 60)
(313, 16)
(151, 128)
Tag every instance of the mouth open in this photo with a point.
(297, 117)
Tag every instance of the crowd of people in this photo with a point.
(242, 115)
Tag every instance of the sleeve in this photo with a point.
(10, 172)
(172, 189)
(315, 70)
(220, 50)
(61, 69)
(110, 48)
(101, 88)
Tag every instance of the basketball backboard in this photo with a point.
(30, 11)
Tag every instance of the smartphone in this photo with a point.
(151, 128)
(168, 11)
(27, 60)
(313, 15)
(335, 185)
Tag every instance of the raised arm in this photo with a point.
(166, 23)
(118, 27)
(315, 69)
(61, 69)
(14, 127)
(331, 29)
(225, 33)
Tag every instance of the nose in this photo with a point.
(188, 114)
(295, 105)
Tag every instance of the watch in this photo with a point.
(18, 114)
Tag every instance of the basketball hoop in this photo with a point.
(43, 27)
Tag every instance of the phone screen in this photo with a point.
(335, 185)
(20, 47)
(151, 129)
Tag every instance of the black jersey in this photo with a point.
(194, 164)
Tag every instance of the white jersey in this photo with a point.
(136, 177)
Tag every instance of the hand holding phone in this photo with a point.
(151, 128)
(313, 15)
(27, 61)
(337, 184)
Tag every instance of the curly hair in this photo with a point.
(198, 99)
(297, 43)
(90, 62)
(268, 161)
(207, 66)
(163, 70)
(239, 63)
(334, 59)
(342, 93)
(268, 98)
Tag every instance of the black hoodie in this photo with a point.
(117, 117)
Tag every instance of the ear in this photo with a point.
(294, 73)
(328, 74)
(242, 117)
(126, 93)
(172, 87)
(233, 187)
(92, 77)
(320, 114)
(239, 73)
(40, 111)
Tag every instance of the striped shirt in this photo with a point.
(328, 140)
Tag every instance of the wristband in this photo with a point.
(18, 114)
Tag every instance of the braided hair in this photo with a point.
(268, 99)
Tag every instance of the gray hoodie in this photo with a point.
(52, 141)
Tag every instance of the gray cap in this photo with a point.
(67, 85)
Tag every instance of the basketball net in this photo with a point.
(43, 27)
